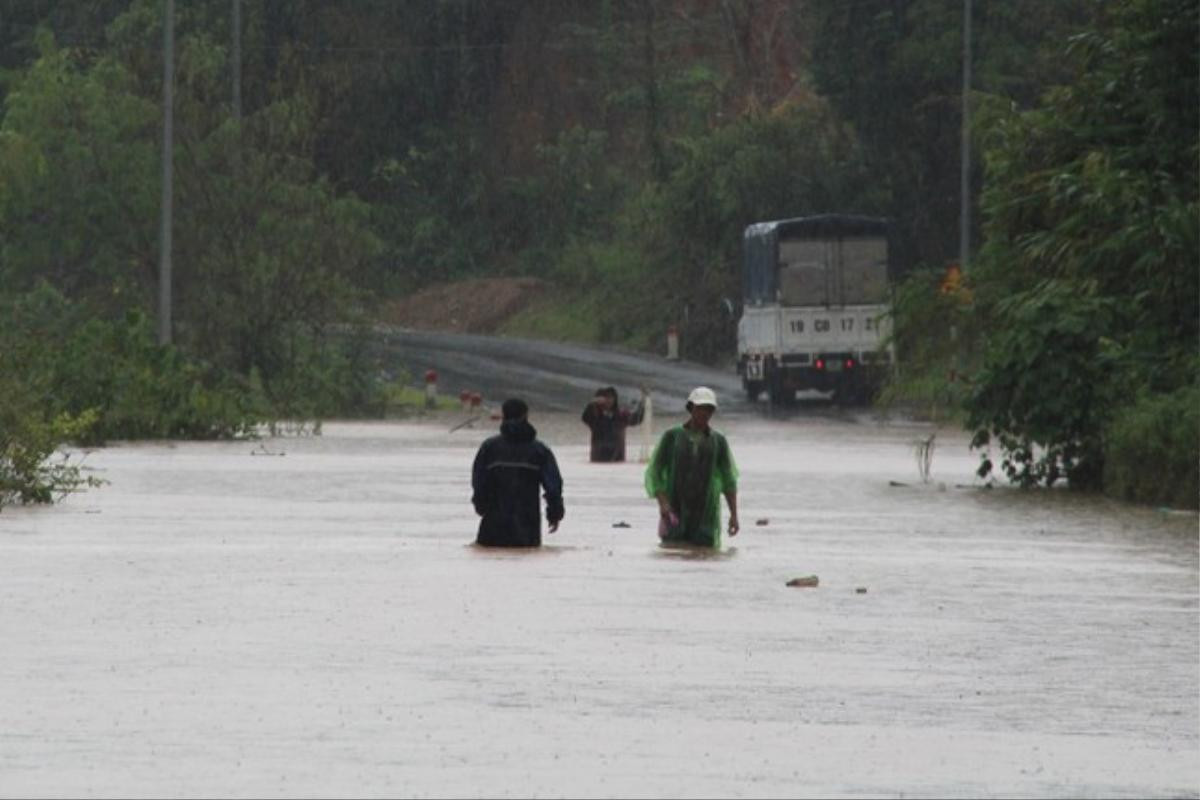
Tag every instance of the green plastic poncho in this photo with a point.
(693, 470)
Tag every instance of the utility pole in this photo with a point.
(237, 61)
(964, 224)
(235, 68)
(168, 153)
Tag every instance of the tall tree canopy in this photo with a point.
(1087, 283)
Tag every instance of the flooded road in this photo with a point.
(304, 616)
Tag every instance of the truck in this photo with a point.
(816, 301)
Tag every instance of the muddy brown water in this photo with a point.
(305, 616)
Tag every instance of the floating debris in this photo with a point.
(621, 524)
(861, 590)
(805, 581)
(469, 422)
(763, 521)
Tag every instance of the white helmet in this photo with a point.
(702, 396)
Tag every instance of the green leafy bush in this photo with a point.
(933, 339)
(32, 470)
(1152, 451)
(142, 390)
(66, 363)
(1046, 385)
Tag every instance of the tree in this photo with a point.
(687, 231)
(1087, 284)
(78, 181)
(268, 253)
(893, 68)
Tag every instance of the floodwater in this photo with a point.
(305, 616)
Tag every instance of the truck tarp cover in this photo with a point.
(760, 279)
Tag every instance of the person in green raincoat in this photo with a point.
(690, 469)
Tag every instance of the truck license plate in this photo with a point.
(834, 365)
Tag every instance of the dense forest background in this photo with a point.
(333, 154)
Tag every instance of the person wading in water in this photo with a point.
(691, 468)
(608, 421)
(508, 471)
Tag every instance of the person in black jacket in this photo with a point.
(506, 476)
(608, 422)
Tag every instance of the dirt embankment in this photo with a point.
(479, 305)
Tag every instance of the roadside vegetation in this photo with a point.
(615, 150)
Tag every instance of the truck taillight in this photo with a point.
(849, 363)
(820, 363)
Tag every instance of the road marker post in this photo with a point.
(431, 378)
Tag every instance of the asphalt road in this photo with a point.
(551, 376)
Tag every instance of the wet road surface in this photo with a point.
(554, 376)
(304, 616)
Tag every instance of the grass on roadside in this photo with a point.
(407, 401)
(568, 318)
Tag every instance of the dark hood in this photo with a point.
(517, 430)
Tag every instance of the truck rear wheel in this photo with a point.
(780, 393)
(753, 390)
